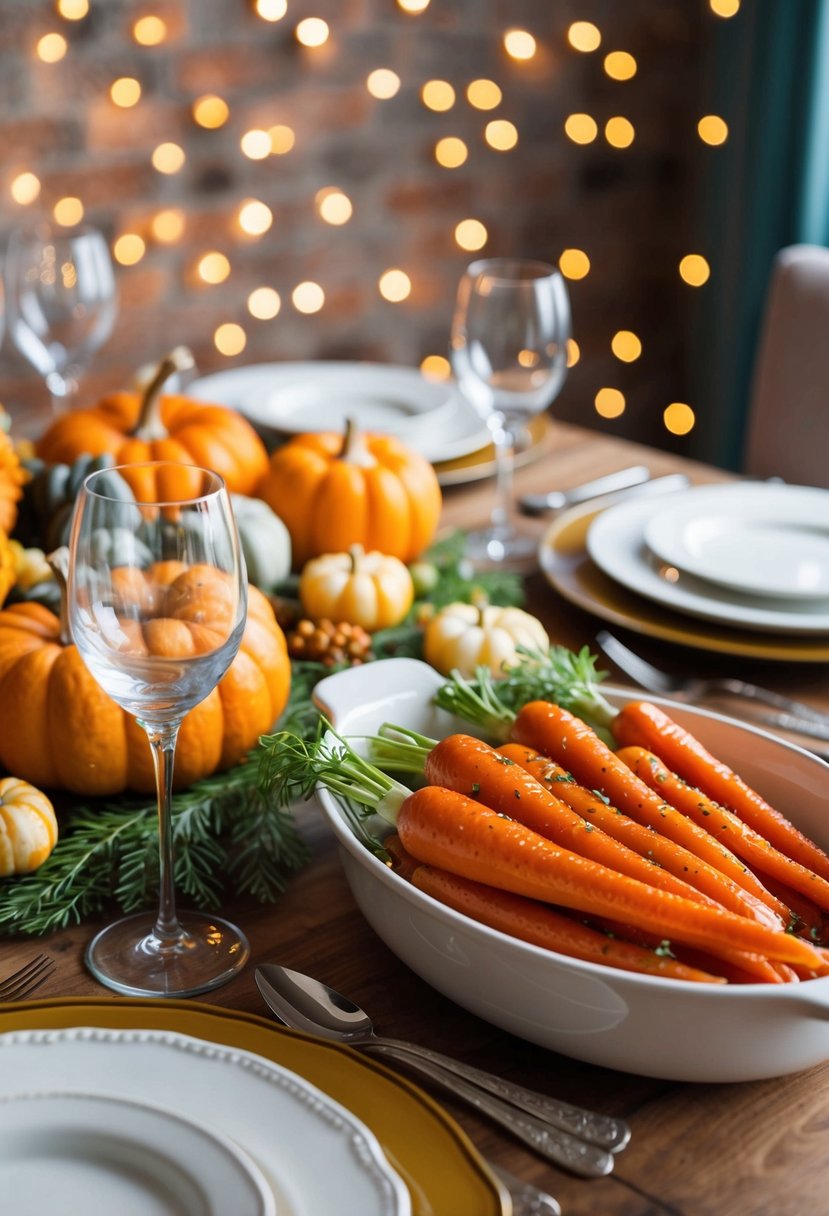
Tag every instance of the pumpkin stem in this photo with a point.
(149, 425)
(59, 564)
(355, 553)
(354, 450)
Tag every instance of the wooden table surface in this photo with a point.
(696, 1150)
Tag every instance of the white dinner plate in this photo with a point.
(85, 1155)
(316, 1156)
(770, 541)
(290, 398)
(616, 544)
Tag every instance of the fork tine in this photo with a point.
(26, 979)
(635, 667)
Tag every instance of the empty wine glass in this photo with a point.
(61, 302)
(509, 354)
(157, 596)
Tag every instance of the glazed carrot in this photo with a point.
(645, 725)
(542, 926)
(725, 825)
(449, 830)
(559, 734)
(470, 766)
(808, 919)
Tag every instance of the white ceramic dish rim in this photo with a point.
(615, 543)
(760, 506)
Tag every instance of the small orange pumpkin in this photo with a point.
(333, 492)
(136, 427)
(59, 729)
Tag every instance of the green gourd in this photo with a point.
(266, 542)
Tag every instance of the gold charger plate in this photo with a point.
(568, 569)
(477, 465)
(435, 1158)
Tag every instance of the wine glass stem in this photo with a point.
(503, 438)
(163, 743)
(63, 390)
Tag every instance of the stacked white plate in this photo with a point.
(750, 555)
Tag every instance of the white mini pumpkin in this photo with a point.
(28, 827)
(462, 637)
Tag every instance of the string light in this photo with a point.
(213, 267)
(68, 211)
(471, 235)
(271, 10)
(312, 32)
(573, 352)
(694, 269)
(436, 367)
(626, 346)
(383, 83)
(395, 285)
(264, 303)
(125, 92)
(149, 31)
(333, 206)
(282, 139)
(619, 65)
(254, 217)
(679, 418)
(308, 297)
(230, 339)
(51, 48)
(129, 249)
(483, 94)
(712, 129)
(437, 95)
(210, 111)
(724, 8)
(520, 44)
(72, 10)
(413, 6)
(168, 158)
(581, 128)
(501, 134)
(584, 36)
(451, 152)
(574, 264)
(168, 226)
(256, 144)
(25, 188)
(609, 403)
(619, 132)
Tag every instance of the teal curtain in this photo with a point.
(765, 188)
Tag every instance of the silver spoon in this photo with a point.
(579, 1140)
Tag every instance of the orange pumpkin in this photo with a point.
(135, 427)
(333, 492)
(12, 477)
(60, 730)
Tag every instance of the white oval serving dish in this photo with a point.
(675, 1030)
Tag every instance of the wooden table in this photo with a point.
(696, 1150)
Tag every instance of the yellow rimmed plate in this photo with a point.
(433, 1156)
(564, 559)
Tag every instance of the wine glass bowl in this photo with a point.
(61, 302)
(157, 596)
(508, 347)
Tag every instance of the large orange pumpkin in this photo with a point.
(334, 491)
(136, 427)
(59, 729)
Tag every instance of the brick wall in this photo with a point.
(631, 210)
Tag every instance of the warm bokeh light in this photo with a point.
(584, 36)
(282, 139)
(574, 263)
(25, 188)
(581, 128)
(333, 206)
(483, 94)
(413, 6)
(255, 217)
(471, 235)
(394, 285)
(230, 339)
(694, 269)
(125, 92)
(619, 132)
(256, 144)
(51, 48)
(679, 418)
(308, 297)
(626, 346)
(712, 129)
(129, 249)
(451, 152)
(271, 10)
(150, 30)
(383, 83)
(520, 44)
(609, 403)
(213, 267)
(168, 158)
(573, 352)
(312, 31)
(436, 367)
(68, 211)
(210, 111)
(264, 303)
(619, 65)
(168, 226)
(438, 95)
(72, 10)
(724, 8)
(501, 134)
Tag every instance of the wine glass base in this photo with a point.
(128, 956)
(501, 549)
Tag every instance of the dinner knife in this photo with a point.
(558, 500)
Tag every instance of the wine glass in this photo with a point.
(61, 302)
(157, 594)
(509, 355)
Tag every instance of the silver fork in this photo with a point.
(791, 715)
(28, 978)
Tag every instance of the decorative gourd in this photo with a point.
(266, 542)
(28, 827)
(49, 497)
(59, 729)
(463, 637)
(12, 477)
(370, 490)
(8, 567)
(372, 590)
(136, 427)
